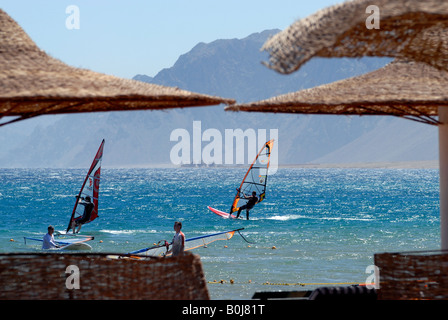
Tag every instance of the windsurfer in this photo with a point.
(178, 240)
(252, 201)
(88, 207)
(48, 241)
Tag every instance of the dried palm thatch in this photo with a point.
(410, 29)
(33, 83)
(407, 89)
(44, 276)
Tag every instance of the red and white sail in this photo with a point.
(90, 187)
(255, 178)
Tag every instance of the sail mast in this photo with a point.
(258, 177)
(96, 163)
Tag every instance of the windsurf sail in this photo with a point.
(65, 241)
(163, 246)
(90, 188)
(255, 179)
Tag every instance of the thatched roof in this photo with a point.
(407, 89)
(33, 83)
(410, 29)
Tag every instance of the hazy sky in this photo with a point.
(125, 38)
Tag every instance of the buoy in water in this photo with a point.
(274, 247)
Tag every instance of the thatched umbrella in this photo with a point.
(407, 89)
(407, 29)
(32, 83)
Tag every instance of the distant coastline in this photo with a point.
(430, 164)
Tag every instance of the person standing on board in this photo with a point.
(48, 241)
(249, 205)
(178, 240)
(88, 208)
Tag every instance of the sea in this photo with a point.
(316, 227)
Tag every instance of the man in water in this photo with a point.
(88, 208)
(252, 201)
(48, 241)
(178, 240)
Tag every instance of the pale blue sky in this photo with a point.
(125, 38)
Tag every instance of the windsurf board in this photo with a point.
(222, 213)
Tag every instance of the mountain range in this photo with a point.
(229, 68)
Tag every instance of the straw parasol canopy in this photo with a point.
(410, 29)
(32, 83)
(407, 89)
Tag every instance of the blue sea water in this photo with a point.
(325, 224)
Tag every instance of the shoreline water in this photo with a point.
(326, 225)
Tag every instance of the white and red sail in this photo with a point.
(190, 244)
(255, 178)
(90, 188)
